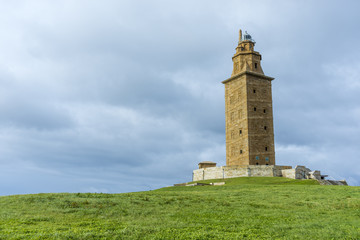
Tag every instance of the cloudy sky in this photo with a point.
(117, 96)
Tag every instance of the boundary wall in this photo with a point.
(299, 172)
(238, 171)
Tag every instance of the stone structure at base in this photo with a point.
(299, 172)
(207, 164)
(238, 171)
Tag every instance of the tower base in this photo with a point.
(223, 172)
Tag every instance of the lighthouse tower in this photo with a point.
(248, 109)
(249, 129)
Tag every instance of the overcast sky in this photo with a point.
(118, 96)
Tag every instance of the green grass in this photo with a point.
(244, 208)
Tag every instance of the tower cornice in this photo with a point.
(247, 53)
(249, 73)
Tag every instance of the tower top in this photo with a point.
(246, 43)
(245, 37)
(246, 60)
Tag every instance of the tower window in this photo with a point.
(254, 109)
(264, 110)
(265, 127)
(240, 151)
(255, 65)
(240, 132)
(254, 91)
(257, 163)
(266, 148)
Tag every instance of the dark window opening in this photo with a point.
(257, 163)
(240, 132)
(267, 164)
(264, 110)
(254, 91)
(240, 151)
(255, 65)
(266, 148)
(254, 109)
(265, 127)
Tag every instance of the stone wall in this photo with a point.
(299, 172)
(238, 171)
(232, 172)
(288, 173)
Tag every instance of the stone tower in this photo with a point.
(248, 109)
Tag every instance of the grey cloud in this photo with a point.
(121, 96)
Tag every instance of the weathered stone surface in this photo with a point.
(315, 175)
(299, 172)
(238, 171)
(288, 173)
(248, 110)
(207, 164)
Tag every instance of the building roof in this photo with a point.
(207, 162)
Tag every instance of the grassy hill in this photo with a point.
(244, 208)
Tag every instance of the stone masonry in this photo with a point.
(299, 172)
(238, 171)
(248, 109)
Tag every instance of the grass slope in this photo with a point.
(244, 208)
